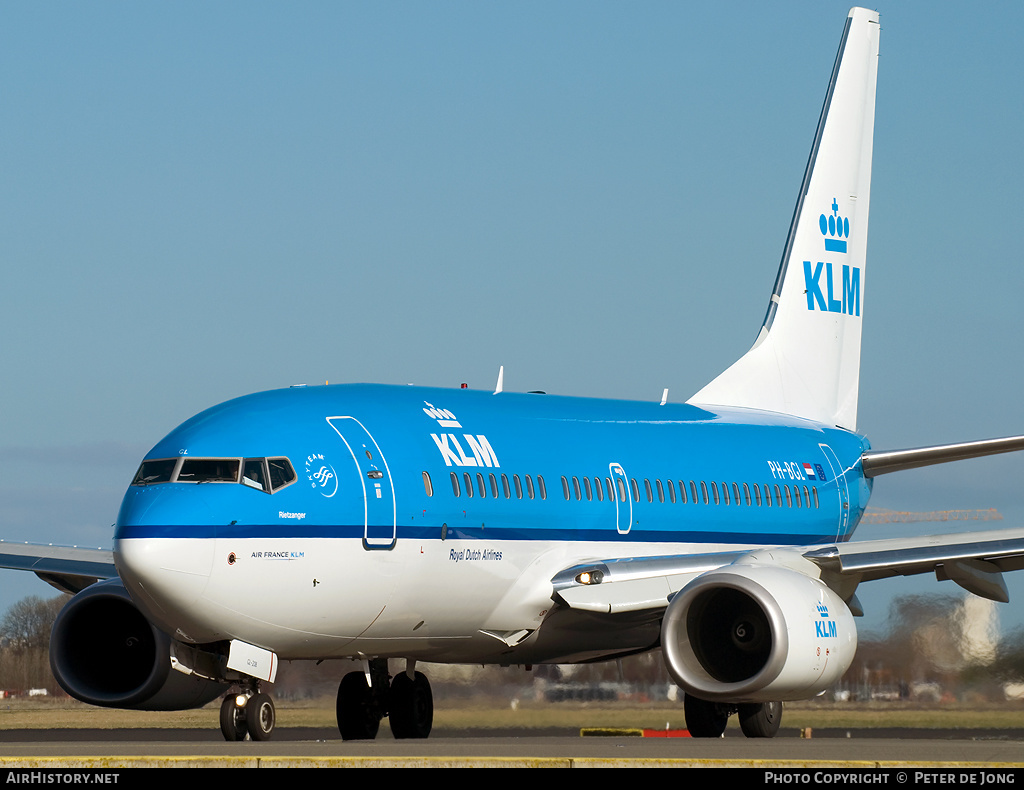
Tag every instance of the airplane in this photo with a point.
(407, 524)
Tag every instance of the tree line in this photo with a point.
(25, 645)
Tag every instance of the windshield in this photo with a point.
(263, 474)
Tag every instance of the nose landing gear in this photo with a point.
(249, 713)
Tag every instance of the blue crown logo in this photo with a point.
(835, 229)
(822, 610)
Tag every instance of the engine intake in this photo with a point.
(104, 652)
(757, 633)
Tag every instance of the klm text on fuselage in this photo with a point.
(826, 301)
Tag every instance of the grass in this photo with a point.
(499, 714)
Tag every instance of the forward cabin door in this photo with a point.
(379, 522)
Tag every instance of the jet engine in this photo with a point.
(757, 633)
(104, 652)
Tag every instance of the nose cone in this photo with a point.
(165, 564)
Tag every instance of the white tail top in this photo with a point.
(806, 359)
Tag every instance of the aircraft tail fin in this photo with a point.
(806, 359)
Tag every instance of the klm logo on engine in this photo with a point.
(833, 290)
(480, 451)
(824, 626)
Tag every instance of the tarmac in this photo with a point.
(863, 750)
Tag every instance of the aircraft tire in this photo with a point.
(260, 717)
(411, 709)
(705, 719)
(357, 720)
(760, 720)
(232, 720)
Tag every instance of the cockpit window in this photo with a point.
(281, 473)
(208, 470)
(155, 472)
(263, 474)
(253, 473)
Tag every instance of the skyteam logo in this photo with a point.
(835, 229)
(822, 285)
(321, 475)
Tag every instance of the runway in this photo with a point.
(321, 747)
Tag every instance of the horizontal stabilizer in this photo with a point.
(881, 463)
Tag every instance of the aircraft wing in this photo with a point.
(974, 560)
(68, 568)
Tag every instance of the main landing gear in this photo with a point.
(708, 719)
(249, 712)
(406, 700)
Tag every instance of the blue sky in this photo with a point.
(203, 200)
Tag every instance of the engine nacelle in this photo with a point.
(104, 652)
(757, 633)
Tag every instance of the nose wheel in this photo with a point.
(232, 718)
(247, 715)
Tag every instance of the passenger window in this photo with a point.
(671, 491)
(480, 485)
(767, 495)
(504, 486)
(427, 485)
(576, 488)
(519, 486)
(469, 484)
(529, 486)
(736, 495)
(610, 489)
(543, 489)
(636, 490)
(814, 491)
(494, 485)
(455, 485)
(647, 490)
(598, 489)
(587, 489)
(622, 489)
(714, 492)
(725, 493)
(682, 492)
(693, 492)
(565, 488)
